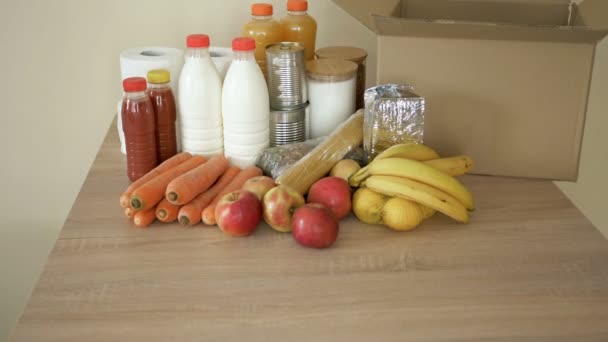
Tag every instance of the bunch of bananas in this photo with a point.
(407, 183)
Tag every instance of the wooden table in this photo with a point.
(529, 267)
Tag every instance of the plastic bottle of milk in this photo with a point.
(200, 95)
(245, 106)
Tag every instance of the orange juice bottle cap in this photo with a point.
(261, 9)
(297, 5)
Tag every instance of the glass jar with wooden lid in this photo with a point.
(353, 54)
(331, 92)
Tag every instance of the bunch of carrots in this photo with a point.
(183, 188)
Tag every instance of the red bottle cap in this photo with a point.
(133, 84)
(261, 9)
(297, 5)
(197, 41)
(243, 44)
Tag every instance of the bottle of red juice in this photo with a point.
(139, 126)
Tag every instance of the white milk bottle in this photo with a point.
(200, 96)
(245, 107)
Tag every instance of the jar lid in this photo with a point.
(349, 53)
(331, 69)
(282, 48)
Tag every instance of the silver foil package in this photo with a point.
(394, 114)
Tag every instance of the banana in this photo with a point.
(453, 166)
(420, 193)
(359, 176)
(409, 151)
(367, 205)
(401, 214)
(418, 171)
(426, 188)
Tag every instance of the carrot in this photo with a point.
(184, 188)
(142, 219)
(190, 214)
(208, 214)
(166, 212)
(129, 213)
(164, 166)
(149, 194)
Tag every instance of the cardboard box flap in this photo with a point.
(593, 14)
(500, 76)
(394, 26)
(529, 20)
(528, 12)
(362, 10)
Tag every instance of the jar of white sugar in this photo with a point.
(332, 87)
(353, 54)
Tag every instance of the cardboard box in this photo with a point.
(506, 81)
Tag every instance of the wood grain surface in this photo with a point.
(529, 267)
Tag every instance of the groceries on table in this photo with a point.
(281, 133)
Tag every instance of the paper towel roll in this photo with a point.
(136, 62)
(221, 57)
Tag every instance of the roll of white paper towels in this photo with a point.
(221, 57)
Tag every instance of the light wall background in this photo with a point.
(59, 87)
(60, 82)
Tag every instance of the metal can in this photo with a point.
(287, 126)
(286, 75)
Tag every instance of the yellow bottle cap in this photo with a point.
(159, 76)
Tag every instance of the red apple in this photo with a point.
(259, 185)
(238, 213)
(279, 204)
(314, 225)
(333, 192)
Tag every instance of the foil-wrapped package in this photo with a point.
(394, 114)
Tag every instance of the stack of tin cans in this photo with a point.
(286, 77)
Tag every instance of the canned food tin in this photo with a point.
(286, 75)
(287, 126)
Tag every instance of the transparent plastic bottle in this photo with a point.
(163, 101)
(264, 30)
(300, 27)
(245, 106)
(200, 96)
(139, 126)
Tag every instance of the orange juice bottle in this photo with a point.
(264, 30)
(299, 27)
